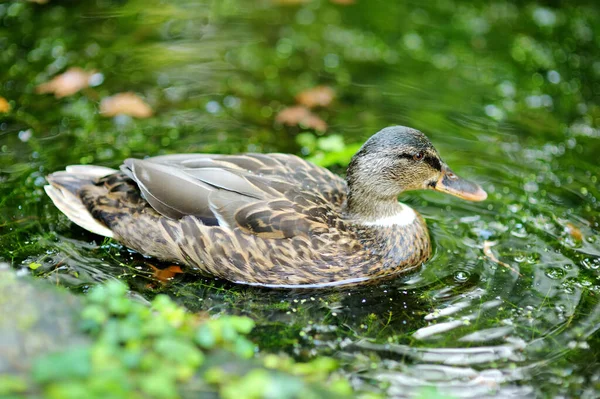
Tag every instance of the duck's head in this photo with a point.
(398, 159)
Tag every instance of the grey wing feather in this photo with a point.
(226, 180)
(217, 188)
(168, 189)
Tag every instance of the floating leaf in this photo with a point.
(300, 115)
(320, 96)
(127, 104)
(67, 83)
(4, 105)
(574, 231)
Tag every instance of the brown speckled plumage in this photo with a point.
(266, 219)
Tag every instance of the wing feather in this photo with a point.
(169, 190)
(270, 195)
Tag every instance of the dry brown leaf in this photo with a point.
(487, 251)
(343, 2)
(164, 275)
(67, 83)
(4, 105)
(300, 115)
(320, 96)
(125, 103)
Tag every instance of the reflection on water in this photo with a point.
(507, 306)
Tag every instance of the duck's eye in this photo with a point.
(418, 156)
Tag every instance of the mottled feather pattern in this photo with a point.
(282, 223)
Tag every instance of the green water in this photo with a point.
(509, 93)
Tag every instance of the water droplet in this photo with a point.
(213, 107)
(544, 16)
(25, 135)
(461, 276)
(520, 258)
(593, 264)
(531, 187)
(555, 273)
(553, 77)
(331, 61)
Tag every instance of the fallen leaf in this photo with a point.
(300, 115)
(320, 96)
(574, 231)
(67, 83)
(164, 275)
(343, 2)
(4, 105)
(487, 251)
(125, 103)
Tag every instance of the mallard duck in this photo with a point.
(268, 219)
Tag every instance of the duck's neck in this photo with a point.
(371, 202)
(364, 207)
(377, 211)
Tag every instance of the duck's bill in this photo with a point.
(450, 183)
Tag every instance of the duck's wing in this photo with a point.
(272, 195)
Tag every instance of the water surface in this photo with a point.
(507, 92)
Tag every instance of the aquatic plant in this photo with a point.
(159, 350)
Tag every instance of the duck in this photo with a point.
(272, 220)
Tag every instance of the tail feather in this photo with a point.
(63, 191)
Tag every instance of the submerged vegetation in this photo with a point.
(507, 91)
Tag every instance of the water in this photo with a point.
(508, 304)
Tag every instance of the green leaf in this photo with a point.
(244, 348)
(242, 324)
(12, 384)
(34, 265)
(179, 351)
(228, 331)
(95, 314)
(307, 140)
(205, 337)
(73, 363)
(158, 386)
(252, 385)
(333, 143)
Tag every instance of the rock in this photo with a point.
(36, 319)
